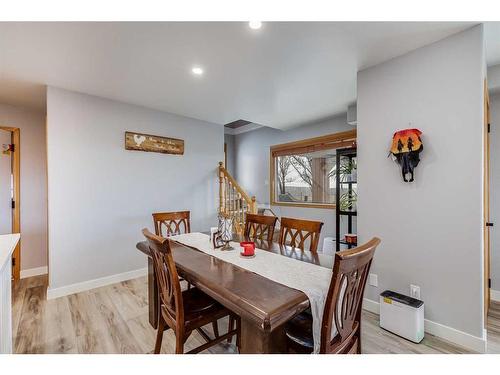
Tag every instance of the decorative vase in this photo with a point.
(225, 231)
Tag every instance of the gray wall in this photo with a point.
(252, 166)
(431, 230)
(101, 195)
(494, 78)
(5, 184)
(33, 183)
(495, 191)
(229, 141)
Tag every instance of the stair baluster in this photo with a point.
(233, 200)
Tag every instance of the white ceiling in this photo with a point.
(285, 74)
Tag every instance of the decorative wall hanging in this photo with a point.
(7, 149)
(405, 150)
(153, 143)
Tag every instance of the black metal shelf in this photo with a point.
(349, 153)
(351, 213)
(349, 245)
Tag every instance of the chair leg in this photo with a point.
(230, 328)
(215, 327)
(159, 335)
(238, 333)
(179, 344)
(359, 337)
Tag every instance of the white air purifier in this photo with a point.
(402, 315)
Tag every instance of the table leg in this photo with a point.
(256, 341)
(153, 296)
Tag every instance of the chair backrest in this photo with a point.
(171, 223)
(340, 328)
(167, 279)
(297, 232)
(260, 226)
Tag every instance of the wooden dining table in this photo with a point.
(264, 306)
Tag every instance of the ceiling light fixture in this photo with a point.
(197, 71)
(255, 25)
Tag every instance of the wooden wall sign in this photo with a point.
(153, 143)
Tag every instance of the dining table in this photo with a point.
(263, 305)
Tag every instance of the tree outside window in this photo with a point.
(306, 178)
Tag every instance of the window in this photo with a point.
(303, 172)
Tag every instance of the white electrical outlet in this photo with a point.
(414, 291)
(373, 279)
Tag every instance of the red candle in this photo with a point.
(248, 248)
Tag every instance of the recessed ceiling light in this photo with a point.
(255, 25)
(197, 71)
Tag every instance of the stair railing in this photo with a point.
(233, 200)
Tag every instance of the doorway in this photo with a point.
(10, 220)
(486, 203)
(491, 213)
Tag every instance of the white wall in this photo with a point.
(101, 195)
(431, 230)
(495, 191)
(252, 166)
(33, 183)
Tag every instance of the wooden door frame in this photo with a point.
(16, 212)
(486, 202)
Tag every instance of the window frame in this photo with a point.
(343, 139)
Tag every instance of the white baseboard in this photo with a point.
(95, 283)
(453, 335)
(495, 295)
(371, 306)
(30, 272)
(464, 339)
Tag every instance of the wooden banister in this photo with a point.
(233, 200)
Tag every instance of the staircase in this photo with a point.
(233, 200)
(236, 203)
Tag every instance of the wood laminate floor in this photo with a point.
(493, 328)
(114, 319)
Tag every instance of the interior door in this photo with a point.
(5, 184)
(486, 202)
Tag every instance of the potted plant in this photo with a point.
(347, 201)
(348, 170)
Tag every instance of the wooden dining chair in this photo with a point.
(297, 232)
(184, 311)
(171, 223)
(260, 227)
(341, 324)
(257, 227)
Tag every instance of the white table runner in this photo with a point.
(311, 279)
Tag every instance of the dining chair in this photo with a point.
(184, 311)
(172, 222)
(260, 227)
(341, 324)
(297, 232)
(257, 227)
